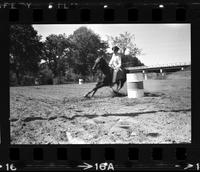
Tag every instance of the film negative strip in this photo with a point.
(54, 116)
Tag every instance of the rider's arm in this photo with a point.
(111, 62)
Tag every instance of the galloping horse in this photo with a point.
(101, 64)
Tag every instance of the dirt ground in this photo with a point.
(59, 114)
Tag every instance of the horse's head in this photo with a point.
(97, 63)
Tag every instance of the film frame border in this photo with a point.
(122, 156)
(105, 12)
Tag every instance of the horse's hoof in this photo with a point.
(86, 96)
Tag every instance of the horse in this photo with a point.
(107, 71)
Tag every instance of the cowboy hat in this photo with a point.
(115, 48)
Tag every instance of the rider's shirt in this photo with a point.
(115, 61)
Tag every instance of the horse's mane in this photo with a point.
(105, 67)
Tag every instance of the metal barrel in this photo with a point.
(80, 81)
(135, 87)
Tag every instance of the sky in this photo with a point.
(160, 43)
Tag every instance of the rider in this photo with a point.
(115, 63)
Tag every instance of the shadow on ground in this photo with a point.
(157, 94)
(133, 114)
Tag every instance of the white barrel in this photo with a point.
(80, 81)
(135, 87)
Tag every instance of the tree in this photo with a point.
(46, 75)
(129, 49)
(87, 46)
(56, 52)
(25, 51)
(130, 61)
(125, 41)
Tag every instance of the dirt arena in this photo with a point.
(59, 114)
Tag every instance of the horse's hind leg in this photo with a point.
(122, 83)
(119, 85)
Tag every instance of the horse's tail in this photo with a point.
(125, 70)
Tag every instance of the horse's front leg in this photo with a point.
(99, 85)
(86, 95)
(94, 89)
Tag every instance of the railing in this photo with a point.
(162, 65)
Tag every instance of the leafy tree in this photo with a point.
(25, 51)
(130, 61)
(56, 52)
(73, 54)
(46, 75)
(87, 46)
(125, 41)
(129, 49)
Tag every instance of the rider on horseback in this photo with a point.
(108, 81)
(115, 63)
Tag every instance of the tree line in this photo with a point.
(61, 58)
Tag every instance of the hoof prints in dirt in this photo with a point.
(52, 118)
(13, 120)
(153, 134)
(28, 119)
(72, 100)
(147, 94)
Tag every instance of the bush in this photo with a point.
(90, 78)
(13, 79)
(46, 77)
(59, 80)
(72, 77)
(27, 80)
(67, 79)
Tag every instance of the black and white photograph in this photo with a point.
(100, 83)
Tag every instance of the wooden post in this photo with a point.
(145, 75)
